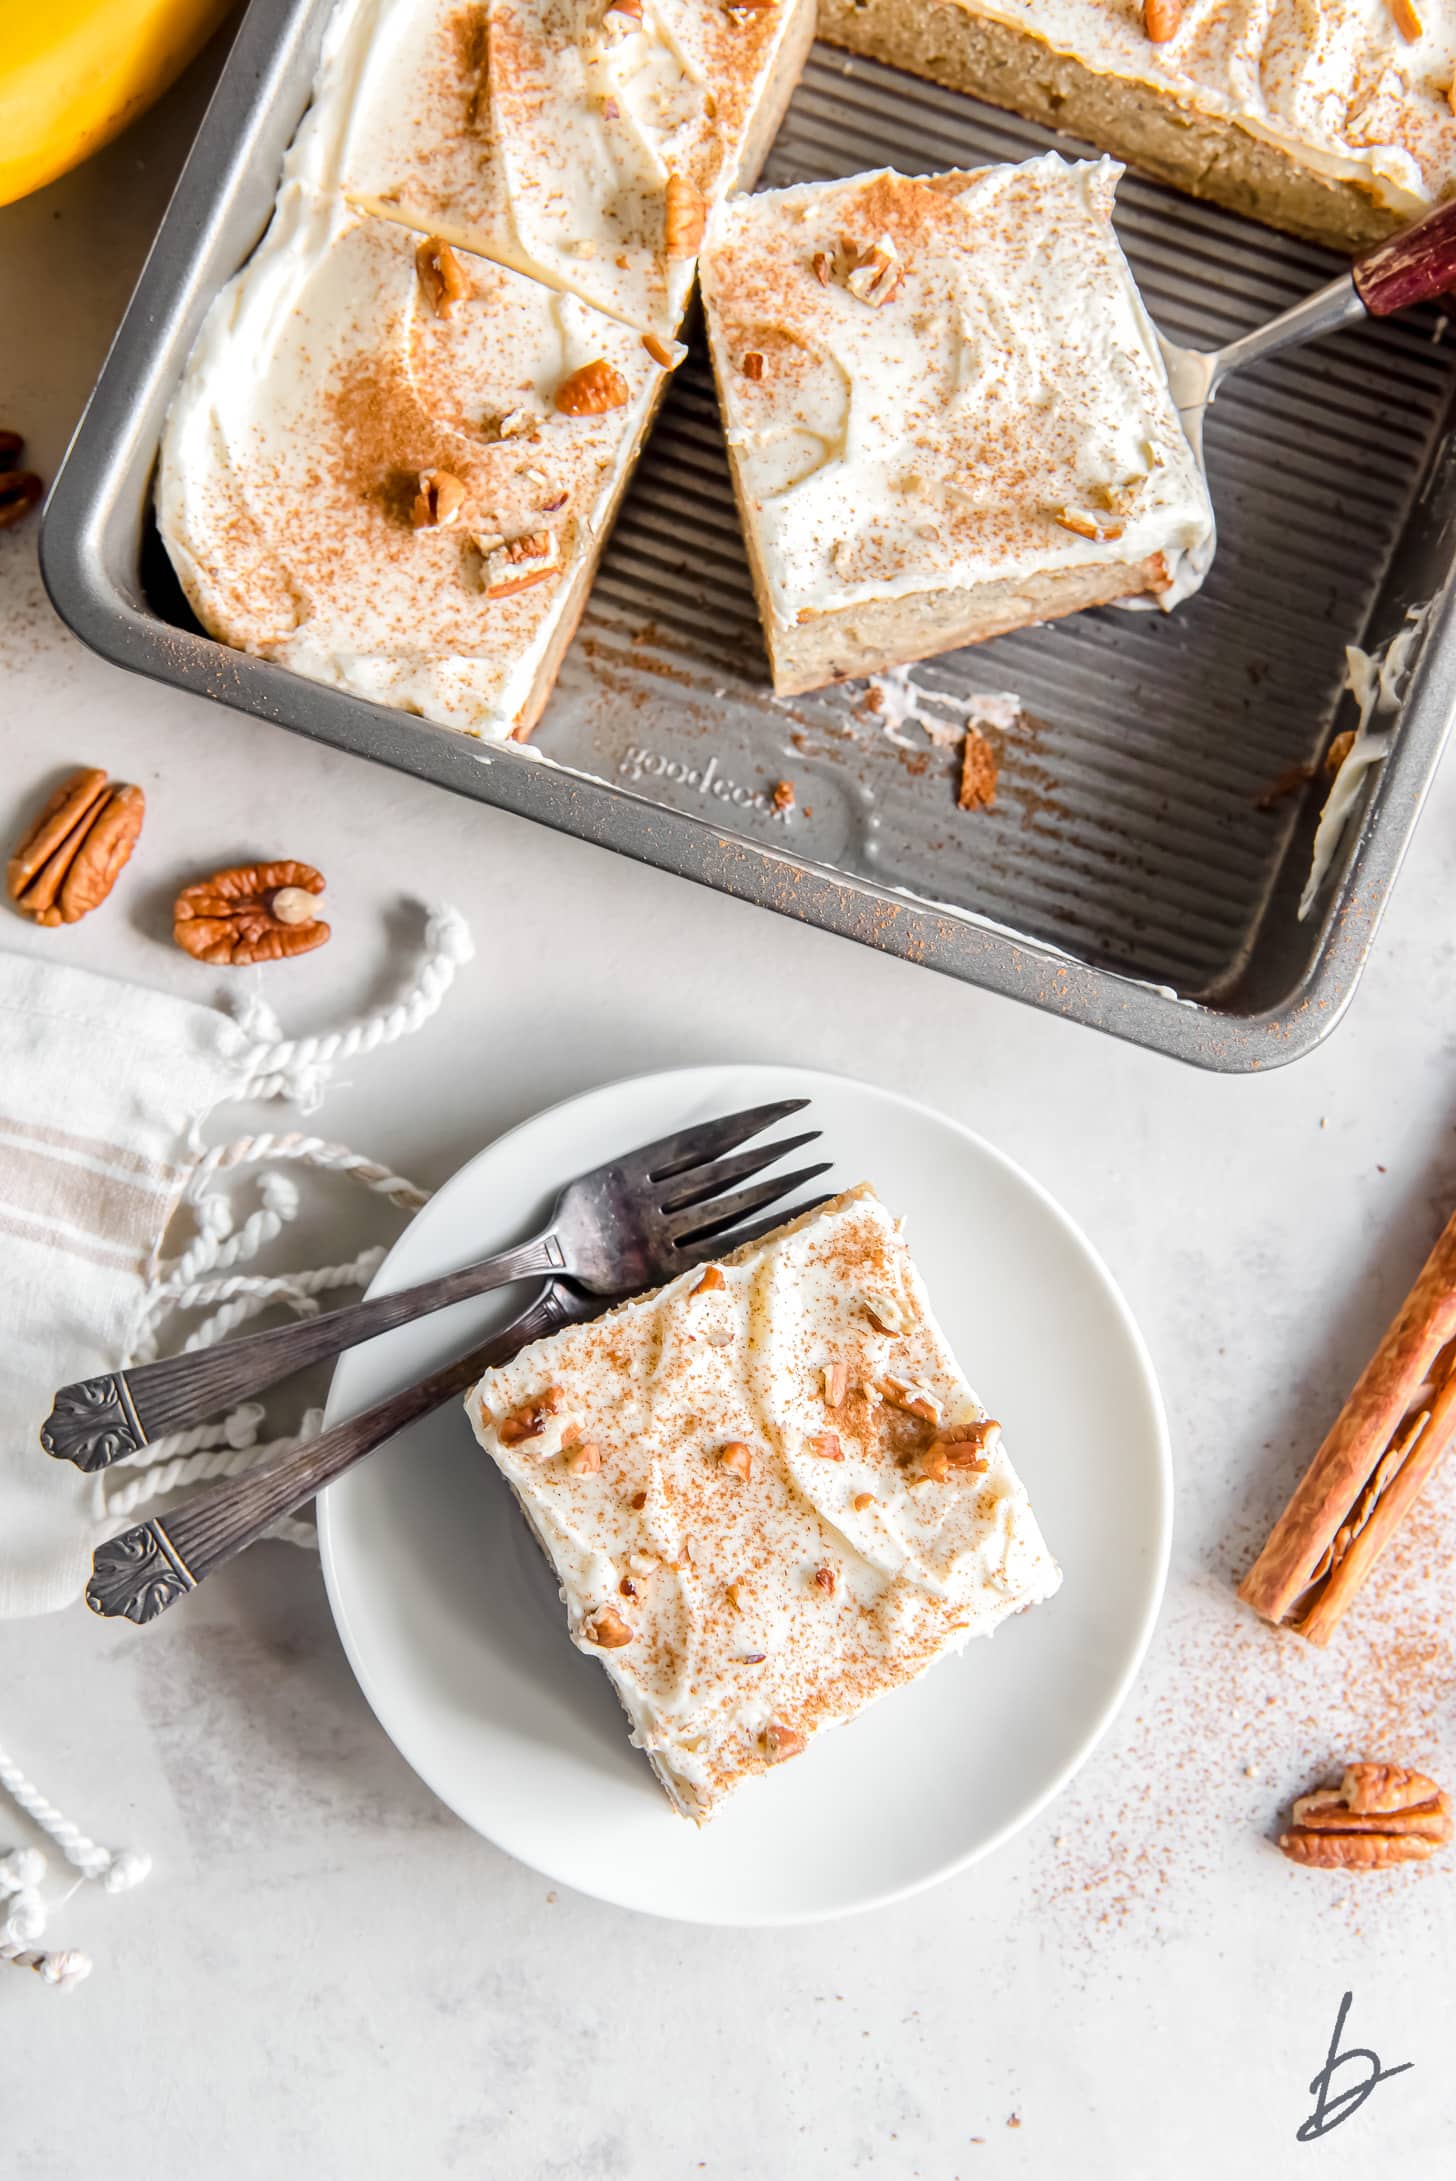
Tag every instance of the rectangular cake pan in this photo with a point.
(1135, 873)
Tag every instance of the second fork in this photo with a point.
(629, 1224)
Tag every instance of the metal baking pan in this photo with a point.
(1128, 876)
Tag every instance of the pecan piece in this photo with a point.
(68, 862)
(752, 363)
(254, 912)
(825, 1444)
(780, 1741)
(1161, 19)
(836, 1384)
(438, 502)
(964, 1446)
(441, 275)
(737, 1457)
(873, 270)
(591, 390)
(900, 1393)
(583, 1460)
(608, 1630)
(1083, 524)
(712, 1278)
(685, 214)
(514, 564)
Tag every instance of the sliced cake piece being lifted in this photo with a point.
(768, 1494)
(947, 412)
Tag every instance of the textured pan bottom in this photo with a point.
(1128, 828)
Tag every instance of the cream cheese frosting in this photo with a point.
(323, 384)
(1002, 410)
(543, 133)
(1342, 86)
(737, 1484)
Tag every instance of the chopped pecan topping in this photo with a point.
(438, 502)
(823, 265)
(780, 1741)
(1161, 19)
(638, 1502)
(623, 16)
(68, 862)
(441, 275)
(509, 565)
(783, 795)
(592, 389)
(1378, 1815)
(737, 1457)
(733, 1592)
(231, 918)
(934, 1464)
(885, 1315)
(914, 1400)
(752, 364)
(979, 771)
(872, 270)
(965, 1445)
(608, 1630)
(836, 1384)
(667, 354)
(825, 1444)
(584, 1459)
(824, 1579)
(685, 214)
(862, 1500)
(712, 1279)
(1083, 524)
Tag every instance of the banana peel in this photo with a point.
(73, 73)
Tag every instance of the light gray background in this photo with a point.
(326, 1970)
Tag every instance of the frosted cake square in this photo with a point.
(768, 1494)
(947, 412)
(1334, 120)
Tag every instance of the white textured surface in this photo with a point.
(326, 1972)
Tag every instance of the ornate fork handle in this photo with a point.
(140, 1573)
(101, 1420)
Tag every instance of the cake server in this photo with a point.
(1412, 267)
(633, 1223)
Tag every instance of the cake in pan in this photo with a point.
(406, 425)
(1330, 118)
(947, 413)
(767, 1493)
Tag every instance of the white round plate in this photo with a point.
(452, 1621)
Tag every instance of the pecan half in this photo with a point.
(1161, 19)
(591, 390)
(255, 912)
(685, 215)
(442, 276)
(68, 862)
(1378, 1815)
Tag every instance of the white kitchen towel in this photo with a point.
(104, 1088)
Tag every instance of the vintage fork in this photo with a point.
(139, 1574)
(628, 1225)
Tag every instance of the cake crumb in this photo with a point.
(979, 768)
(783, 795)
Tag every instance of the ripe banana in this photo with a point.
(74, 72)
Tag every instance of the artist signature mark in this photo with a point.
(1332, 2106)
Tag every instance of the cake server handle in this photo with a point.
(1411, 267)
(137, 1575)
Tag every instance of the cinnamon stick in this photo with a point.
(1372, 1466)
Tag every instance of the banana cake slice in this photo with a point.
(767, 1493)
